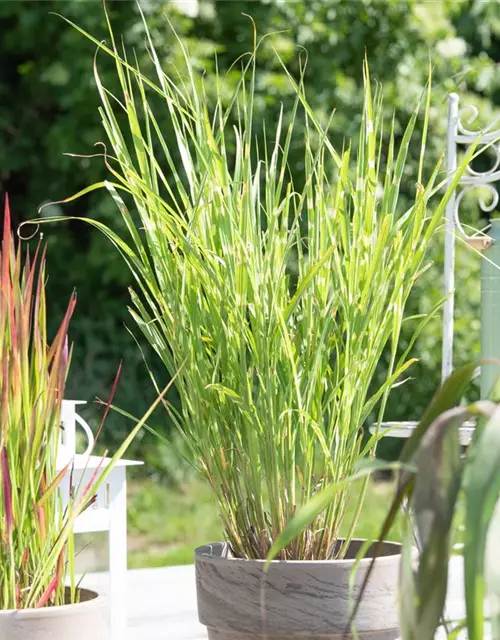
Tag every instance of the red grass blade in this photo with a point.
(53, 486)
(91, 482)
(110, 400)
(56, 346)
(6, 242)
(6, 490)
(5, 394)
(45, 597)
(42, 521)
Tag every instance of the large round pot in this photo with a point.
(85, 620)
(295, 599)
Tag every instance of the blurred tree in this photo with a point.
(48, 107)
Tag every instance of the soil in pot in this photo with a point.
(306, 600)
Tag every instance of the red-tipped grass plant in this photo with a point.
(31, 391)
(36, 545)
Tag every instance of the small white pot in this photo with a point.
(85, 620)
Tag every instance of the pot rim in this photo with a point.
(95, 598)
(397, 546)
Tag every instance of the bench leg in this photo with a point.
(118, 554)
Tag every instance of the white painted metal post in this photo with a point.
(67, 444)
(449, 241)
(118, 552)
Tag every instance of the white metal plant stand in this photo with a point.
(107, 513)
(489, 139)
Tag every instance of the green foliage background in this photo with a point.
(48, 107)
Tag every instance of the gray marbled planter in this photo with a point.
(306, 600)
(83, 621)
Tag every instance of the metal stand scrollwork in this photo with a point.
(459, 134)
(489, 140)
(487, 240)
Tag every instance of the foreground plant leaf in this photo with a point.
(482, 488)
(432, 507)
(420, 615)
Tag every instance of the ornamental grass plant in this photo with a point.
(278, 301)
(33, 539)
(37, 550)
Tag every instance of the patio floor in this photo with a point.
(161, 603)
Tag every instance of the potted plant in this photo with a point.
(278, 301)
(36, 536)
(39, 595)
